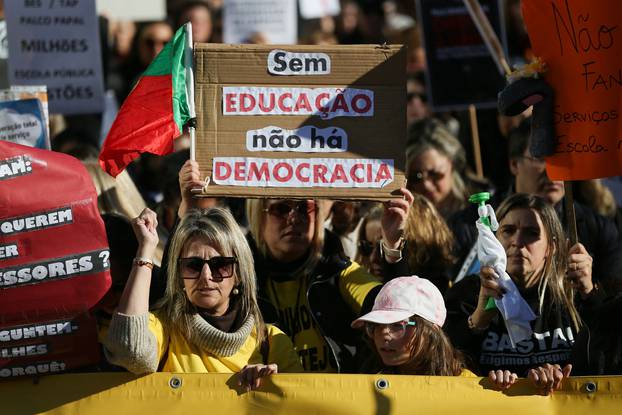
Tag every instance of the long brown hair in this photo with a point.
(553, 275)
(429, 239)
(431, 352)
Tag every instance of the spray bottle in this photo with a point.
(480, 200)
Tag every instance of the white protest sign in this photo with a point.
(306, 139)
(56, 43)
(136, 10)
(314, 9)
(21, 122)
(275, 19)
(310, 172)
(26, 92)
(281, 62)
(326, 103)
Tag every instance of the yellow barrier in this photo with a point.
(167, 393)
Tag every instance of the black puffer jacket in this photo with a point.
(329, 310)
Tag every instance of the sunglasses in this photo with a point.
(396, 330)
(282, 210)
(432, 175)
(221, 267)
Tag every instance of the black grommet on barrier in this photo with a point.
(590, 387)
(382, 383)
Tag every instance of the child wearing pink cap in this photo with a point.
(405, 326)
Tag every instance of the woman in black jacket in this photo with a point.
(547, 275)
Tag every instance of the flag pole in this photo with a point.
(188, 63)
(494, 46)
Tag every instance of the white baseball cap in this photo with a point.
(403, 297)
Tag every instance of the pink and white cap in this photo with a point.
(403, 297)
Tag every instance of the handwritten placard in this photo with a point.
(581, 43)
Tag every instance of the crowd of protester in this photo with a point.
(264, 286)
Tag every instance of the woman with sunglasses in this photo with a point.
(306, 284)
(405, 326)
(208, 319)
(436, 167)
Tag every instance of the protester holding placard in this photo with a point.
(304, 280)
(209, 319)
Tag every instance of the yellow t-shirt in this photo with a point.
(290, 300)
(466, 373)
(182, 356)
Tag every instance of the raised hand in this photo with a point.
(394, 218)
(145, 228)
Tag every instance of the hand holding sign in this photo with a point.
(189, 180)
(394, 218)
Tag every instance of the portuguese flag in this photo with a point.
(154, 113)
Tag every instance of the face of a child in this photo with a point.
(393, 349)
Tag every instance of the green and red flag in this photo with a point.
(154, 113)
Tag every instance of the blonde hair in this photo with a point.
(553, 275)
(429, 239)
(256, 215)
(597, 196)
(218, 228)
(115, 195)
(430, 134)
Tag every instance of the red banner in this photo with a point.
(53, 259)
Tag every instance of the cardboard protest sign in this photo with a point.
(53, 248)
(275, 20)
(56, 43)
(303, 121)
(461, 71)
(22, 122)
(581, 43)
